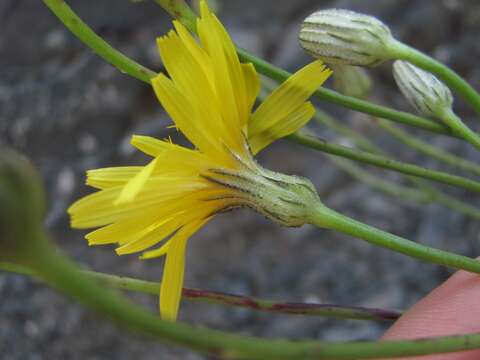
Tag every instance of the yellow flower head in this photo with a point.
(209, 96)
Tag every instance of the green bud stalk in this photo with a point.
(431, 97)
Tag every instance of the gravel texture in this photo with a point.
(69, 111)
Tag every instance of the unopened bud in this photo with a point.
(22, 206)
(428, 95)
(340, 36)
(352, 81)
(284, 199)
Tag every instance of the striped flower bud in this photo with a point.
(345, 37)
(352, 81)
(428, 95)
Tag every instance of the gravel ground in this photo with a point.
(69, 111)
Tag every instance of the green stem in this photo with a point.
(358, 139)
(457, 125)
(178, 9)
(251, 303)
(427, 149)
(60, 273)
(425, 193)
(457, 205)
(96, 43)
(384, 162)
(330, 219)
(443, 72)
(375, 182)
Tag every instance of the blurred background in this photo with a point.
(69, 111)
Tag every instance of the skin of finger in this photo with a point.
(451, 309)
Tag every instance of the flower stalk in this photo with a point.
(454, 81)
(459, 127)
(431, 98)
(427, 149)
(423, 193)
(384, 162)
(325, 217)
(246, 302)
(61, 274)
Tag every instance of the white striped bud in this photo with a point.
(340, 36)
(428, 95)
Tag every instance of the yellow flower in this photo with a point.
(209, 96)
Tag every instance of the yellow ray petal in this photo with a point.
(134, 186)
(229, 78)
(151, 235)
(149, 145)
(198, 53)
(126, 230)
(252, 84)
(287, 98)
(172, 280)
(156, 233)
(180, 110)
(190, 80)
(286, 126)
(105, 178)
(161, 194)
(152, 254)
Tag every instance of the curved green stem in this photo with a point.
(61, 274)
(388, 187)
(427, 149)
(384, 162)
(251, 303)
(443, 72)
(327, 218)
(103, 49)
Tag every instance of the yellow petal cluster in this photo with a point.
(209, 95)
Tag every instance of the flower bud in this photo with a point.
(428, 95)
(340, 36)
(352, 81)
(284, 199)
(22, 206)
